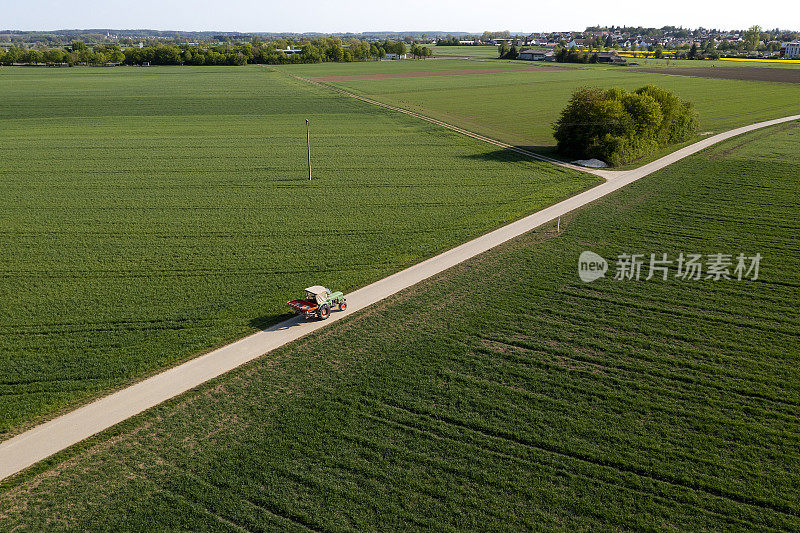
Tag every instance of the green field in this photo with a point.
(466, 51)
(150, 214)
(389, 67)
(505, 394)
(520, 107)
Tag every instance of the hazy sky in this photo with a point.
(428, 15)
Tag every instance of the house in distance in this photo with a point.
(537, 55)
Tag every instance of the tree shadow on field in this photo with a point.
(510, 156)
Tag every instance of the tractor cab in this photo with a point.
(317, 294)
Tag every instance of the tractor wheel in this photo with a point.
(324, 312)
(342, 305)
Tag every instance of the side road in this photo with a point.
(58, 434)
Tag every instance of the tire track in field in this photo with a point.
(496, 434)
(621, 484)
(788, 412)
(280, 515)
(545, 465)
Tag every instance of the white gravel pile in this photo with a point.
(591, 163)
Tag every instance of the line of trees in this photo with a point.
(449, 41)
(75, 54)
(573, 55)
(325, 49)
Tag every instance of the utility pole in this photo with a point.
(308, 143)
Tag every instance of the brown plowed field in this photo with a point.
(784, 75)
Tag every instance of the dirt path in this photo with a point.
(44, 440)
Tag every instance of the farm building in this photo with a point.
(790, 50)
(610, 57)
(396, 56)
(289, 50)
(537, 55)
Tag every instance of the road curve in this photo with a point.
(44, 440)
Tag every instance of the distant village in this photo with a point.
(754, 41)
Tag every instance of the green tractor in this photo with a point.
(318, 302)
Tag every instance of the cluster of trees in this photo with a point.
(573, 55)
(757, 39)
(390, 47)
(315, 51)
(489, 35)
(421, 51)
(617, 126)
(486, 37)
(507, 52)
(705, 51)
(451, 41)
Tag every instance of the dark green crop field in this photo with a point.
(506, 394)
(521, 107)
(149, 214)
